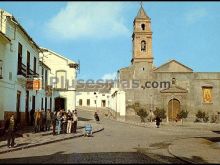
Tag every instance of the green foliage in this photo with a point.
(182, 114)
(140, 111)
(160, 112)
(214, 118)
(202, 116)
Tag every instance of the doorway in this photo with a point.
(27, 108)
(173, 109)
(59, 103)
(18, 103)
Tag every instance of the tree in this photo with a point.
(202, 116)
(182, 115)
(160, 112)
(140, 111)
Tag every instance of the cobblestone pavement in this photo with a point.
(118, 143)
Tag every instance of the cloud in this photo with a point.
(88, 20)
(196, 15)
(109, 76)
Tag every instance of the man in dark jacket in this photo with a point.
(10, 129)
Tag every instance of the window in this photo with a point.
(143, 46)
(80, 102)
(88, 102)
(35, 65)
(42, 103)
(1, 66)
(10, 76)
(207, 94)
(46, 77)
(28, 63)
(42, 74)
(19, 57)
(61, 79)
(143, 26)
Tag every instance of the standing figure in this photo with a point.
(43, 115)
(96, 116)
(69, 121)
(64, 123)
(59, 120)
(75, 119)
(37, 121)
(10, 128)
(32, 116)
(48, 120)
(158, 121)
(53, 118)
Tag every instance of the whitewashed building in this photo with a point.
(25, 74)
(93, 95)
(19, 56)
(62, 79)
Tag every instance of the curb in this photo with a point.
(39, 144)
(180, 158)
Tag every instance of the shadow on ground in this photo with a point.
(101, 157)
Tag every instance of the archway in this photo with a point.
(173, 109)
(60, 103)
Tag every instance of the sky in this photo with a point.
(98, 34)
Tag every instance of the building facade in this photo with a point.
(25, 74)
(171, 86)
(62, 79)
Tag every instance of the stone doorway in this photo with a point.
(173, 109)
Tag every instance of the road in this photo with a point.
(117, 143)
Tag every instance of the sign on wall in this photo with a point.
(33, 84)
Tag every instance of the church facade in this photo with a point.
(171, 86)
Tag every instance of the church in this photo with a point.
(171, 86)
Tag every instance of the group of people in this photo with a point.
(61, 121)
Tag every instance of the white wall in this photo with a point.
(92, 97)
(117, 102)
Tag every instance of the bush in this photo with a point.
(160, 112)
(202, 116)
(140, 111)
(182, 114)
(214, 118)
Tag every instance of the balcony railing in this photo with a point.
(22, 70)
(31, 73)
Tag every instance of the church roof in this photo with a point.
(141, 14)
(173, 66)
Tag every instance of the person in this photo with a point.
(158, 121)
(69, 121)
(43, 120)
(37, 121)
(64, 123)
(96, 116)
(10, 128)
(32, 116)
(53, 119)
(48, 120)
(75, 119)
(59, 120)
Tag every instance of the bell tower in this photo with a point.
(142, 39)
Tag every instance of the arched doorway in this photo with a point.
(173, 109)
(59, 103)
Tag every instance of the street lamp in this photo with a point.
(1, 65)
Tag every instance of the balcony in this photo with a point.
(31, 74)
(22, 70)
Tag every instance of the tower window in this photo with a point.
(143, 46)
(143, 26)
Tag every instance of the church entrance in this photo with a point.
(59, 103)
(173, 109)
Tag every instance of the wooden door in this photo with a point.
(173, 109)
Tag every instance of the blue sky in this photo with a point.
(99, 33)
